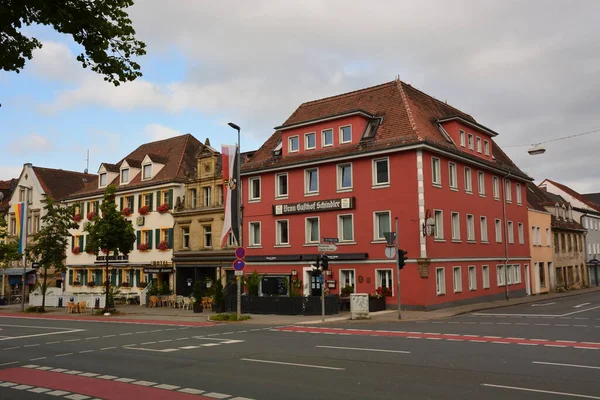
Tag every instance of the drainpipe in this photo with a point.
(505, 233)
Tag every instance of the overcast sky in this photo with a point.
(527, 69)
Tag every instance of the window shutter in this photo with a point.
(139, 201)
(113, 278)
(170, 238)
(121, 204)
(87, 208)
(150, 201)
(72, 242)
(98, 277)
(70, 277)
(137, 277)
(171, 199)
(157, 235)
(149, 239)
(138, 234)
(97, 207)
(130, 272)
(81, 243)
(158, 199)
(132, 202)
(84, 277)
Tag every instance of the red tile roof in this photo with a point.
(6, 188)
(177, 153)
(408, 116)
(59, 183)
(574, 194)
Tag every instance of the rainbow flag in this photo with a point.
(21, 218)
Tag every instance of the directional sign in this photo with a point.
(331, 240)
(390, 252)
(240, 252)
(327, 247)
(239, 265)
(35, 265)
(239, 273)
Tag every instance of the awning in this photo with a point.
(15, 271)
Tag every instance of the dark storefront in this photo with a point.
(192, 267)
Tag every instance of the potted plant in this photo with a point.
(125, 284)
(143, 247)
(91, 215)
(163, 246)
(91, 283)
(383, 291)
(77, 218)
(76, 283)
(126, 212)
(144, 210)
(218, 297)
(347, 290)
(197, 297)
(142, 284)
(253, 283)
(163, 208)
(76, 250)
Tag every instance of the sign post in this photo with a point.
(397, 264)
(239, 264)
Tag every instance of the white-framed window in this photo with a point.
(347, 278)
(534, 236)
(452, 175)
(486, 147)
(327, 137)
(511, 232)
(518, 193)
(496, 187)
(484, 228)
(508, 192)
(346, 134)
(310, 141)
(463, 141)
(281, 185)
(481, 183)
(457, 279)
(517, 273)
(125, 175)
(485, 276)
(438, 216)
(472, 277)
(381, 223)
(254, 189)
(293, 145)
(470, 228)
(207, 196)
(470, 141)
(185, 237)
(346, 228)
(455, 226)
(311, 181)
(468, 180)
(147, 171)
(383, 278)
(282, 231)
(193, 198)
(478, 139)
(381, 172)
(207, 229)
(521, 233)
(509, 274)
(312, 230)
(500, 277)
(436, 172)
(103, 179)
(548, 238)
(344, 176)
(254, 233)
(440, 281)
(498, 231)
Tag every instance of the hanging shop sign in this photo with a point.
(345, 203)
(121, 258)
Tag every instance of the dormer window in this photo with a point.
(327, 139)
(486, 147)
(147, 171)
(277, 149)
(463, 140)
(103, 179)
(293, 144)
(346, 134)
(311, 141)
(470, 138)
(478, 144)
(125, 175)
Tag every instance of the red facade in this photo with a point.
(384, 172)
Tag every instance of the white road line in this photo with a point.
(565, 365)
(36, 359)
(63, 355)
(41, 334)
(31, 345)
(12, 348)
(580, 311)
(72, 340)
(109, 336)
(191, 391)
(582, 304)
(293, 364)
(542, 304)
(216, 395)
(126, 334)
(583, 396)
(109, 348)
(9, 363)
(86, 351)
(92, 337)
(364, 349)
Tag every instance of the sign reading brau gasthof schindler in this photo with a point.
(345, 203)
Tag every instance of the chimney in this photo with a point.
(207, 142)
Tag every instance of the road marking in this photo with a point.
(42, 334)
(35, 359)
(92, 337)
(144, 383)
(86, 351)
(364, 349)
(72, 340)
(126, 334)
(149, 343)
(109, 348)
(565, 365)
(63, 355)
(217, 395)
(154, 350)
(31, 345)
(293, 364)
(109, 336)
(9, 363)
(581, 305)
(191, 391)
(542, 304)
(583, 396)
(580, 311)
(58, 341)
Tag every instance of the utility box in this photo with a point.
(359, 306)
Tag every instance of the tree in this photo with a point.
(111, 232)
(9, 251)
(103, 28)
(52, 240)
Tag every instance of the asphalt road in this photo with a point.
(532, 351)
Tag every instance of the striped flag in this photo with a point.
(21, 220)
(231, 220)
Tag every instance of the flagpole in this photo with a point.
(238, 186)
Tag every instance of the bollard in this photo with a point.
(60, 301)
(97, 303)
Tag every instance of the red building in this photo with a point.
(347, 166)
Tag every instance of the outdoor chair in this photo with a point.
(154, 301)
(187, 303)
(71, 307)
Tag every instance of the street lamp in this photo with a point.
(239, 213)
(25, 226)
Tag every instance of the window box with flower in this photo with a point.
(91, 215)
(144, 210)
(125, 284)
(143, 247)
(163, 246)
(76, 283)
(126, 212)
(347, 290)
(142, 284)
(76, 250)
(77, 218)
(91, 283)
(163, 208)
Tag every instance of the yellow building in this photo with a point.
(540, 242)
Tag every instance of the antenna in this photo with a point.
(87, 161)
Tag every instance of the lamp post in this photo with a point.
(25, 226)
(239, 212)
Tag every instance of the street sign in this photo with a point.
(35, 265)
(390, 252)
(326, 247)
(594, 261)
(239, 273)
(240, 252)
(390, 237)
(239, 265)
(331, 240)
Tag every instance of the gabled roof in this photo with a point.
(408, 116)
(574, 194)
(536, 198)
(178, 154)
(594, 198)
(566, 224)
(6, 188)
(59, 183)
(110, 167)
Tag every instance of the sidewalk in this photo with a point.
(169, 316)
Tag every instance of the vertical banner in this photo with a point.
(21, 220)
(231, 220)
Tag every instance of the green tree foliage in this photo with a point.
(51, 241)
(109, 231)
(102, 28)
(9, 250)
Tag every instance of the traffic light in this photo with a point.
(316, 269)
(324, 262)
(402, 258)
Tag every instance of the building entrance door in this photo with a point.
(315, 285)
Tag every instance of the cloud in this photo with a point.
(158, 132)
(55, 62)
(10, 171)
(31, 143)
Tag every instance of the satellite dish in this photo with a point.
(536, 150)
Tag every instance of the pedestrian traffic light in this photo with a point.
(324, 262)
(402, 258)
(316, 269)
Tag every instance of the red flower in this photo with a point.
(77, 217)
(143, 247)
(164, 245)
(144, 210)
(126, 211)
(76, 250)
(91, 215)
(163, 208)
